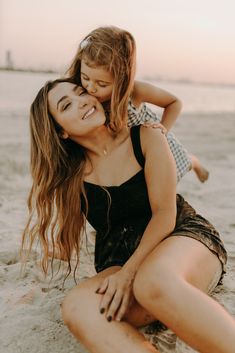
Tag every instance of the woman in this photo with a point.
(155, 266)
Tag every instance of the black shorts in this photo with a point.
(115, 248)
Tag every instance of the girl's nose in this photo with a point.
(91, 88)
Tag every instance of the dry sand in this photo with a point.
(29, 305)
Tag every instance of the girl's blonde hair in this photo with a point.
(55, 201)
(114, 50)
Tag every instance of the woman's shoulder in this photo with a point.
(150, 132)
(145, 132)
(151, 138)
(145, 139)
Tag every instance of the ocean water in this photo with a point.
(199, 98)
(17, 90)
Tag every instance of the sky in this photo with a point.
(177, 39)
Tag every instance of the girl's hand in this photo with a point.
(117, 294)
(156, 126)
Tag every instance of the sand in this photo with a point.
(29, 305)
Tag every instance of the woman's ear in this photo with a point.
(64, 135)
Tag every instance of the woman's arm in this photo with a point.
(160, 175)
(145, 92)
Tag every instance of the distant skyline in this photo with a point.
(177, 39)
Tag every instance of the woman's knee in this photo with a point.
(155, 281)
(74, 306)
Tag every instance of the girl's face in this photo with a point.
(75, 110)
(97, 81)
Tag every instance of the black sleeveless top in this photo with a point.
(119, 214)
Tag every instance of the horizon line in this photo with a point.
(144, 77)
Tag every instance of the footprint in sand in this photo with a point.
(9, 257)
(30, 297)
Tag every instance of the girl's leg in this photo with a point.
(170, 285)
(80, 311)
(201, 172)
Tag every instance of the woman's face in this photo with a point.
(75, 110)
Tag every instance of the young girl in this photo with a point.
(105, 63)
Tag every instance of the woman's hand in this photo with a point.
(117, 294)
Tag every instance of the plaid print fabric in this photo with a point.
(145, 115)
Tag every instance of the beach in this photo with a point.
(30, 317)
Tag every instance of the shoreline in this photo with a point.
(159, 79)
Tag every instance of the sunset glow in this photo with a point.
(179, 39)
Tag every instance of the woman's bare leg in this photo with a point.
(201, 172)
(170, 285)
(81, 314)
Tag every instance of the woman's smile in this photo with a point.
(89, 113)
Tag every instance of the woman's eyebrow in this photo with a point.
(60, 100)
(75, 88)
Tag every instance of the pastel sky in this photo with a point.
(191, 39)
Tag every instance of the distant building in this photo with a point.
(9, 62)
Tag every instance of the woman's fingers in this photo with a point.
(103, 286)
(123, 307)
(115, 304)
(107, 298)
(115, 291)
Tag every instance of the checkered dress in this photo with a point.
(145, 115)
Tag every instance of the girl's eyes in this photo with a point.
(102, 85)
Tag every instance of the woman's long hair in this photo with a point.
(55, 200)
(114, 50)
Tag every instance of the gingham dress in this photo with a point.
(145, 115)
